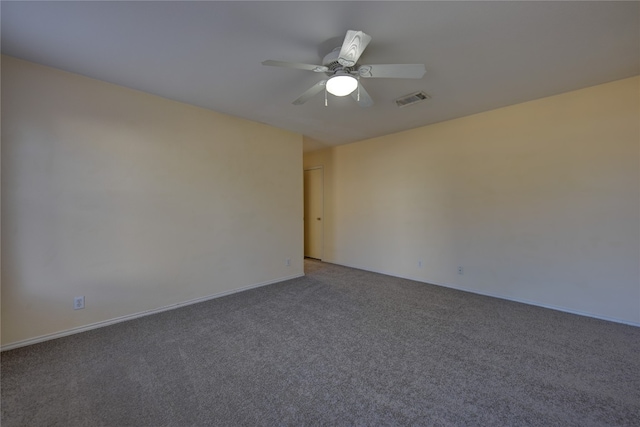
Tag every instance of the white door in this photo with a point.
(313, 211)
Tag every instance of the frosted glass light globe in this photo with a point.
(341, 84)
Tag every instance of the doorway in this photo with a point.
(313, 212)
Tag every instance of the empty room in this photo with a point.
(238, 213)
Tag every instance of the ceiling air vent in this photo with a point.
(412, 99)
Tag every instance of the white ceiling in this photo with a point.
(479, 55)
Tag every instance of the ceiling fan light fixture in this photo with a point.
(341, 84)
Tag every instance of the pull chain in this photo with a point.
(325, 97)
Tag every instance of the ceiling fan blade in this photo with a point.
(308, 67)
(310, 93)
(363, 98)
(394, 71)
(354, 44)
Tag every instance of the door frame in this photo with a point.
(321, 167)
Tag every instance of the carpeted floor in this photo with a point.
(337, 347)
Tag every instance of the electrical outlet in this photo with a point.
(288, 261)
(78, 303)
(460, 270)
(419, 264)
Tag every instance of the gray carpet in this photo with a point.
(337, 347)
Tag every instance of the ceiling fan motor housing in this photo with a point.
(331, 62)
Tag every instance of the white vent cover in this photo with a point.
(411, 99)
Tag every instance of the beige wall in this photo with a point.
(134, 201)
(538, 202)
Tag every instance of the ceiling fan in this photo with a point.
(341, 65)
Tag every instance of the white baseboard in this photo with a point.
(488, 294)
(103, 323)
